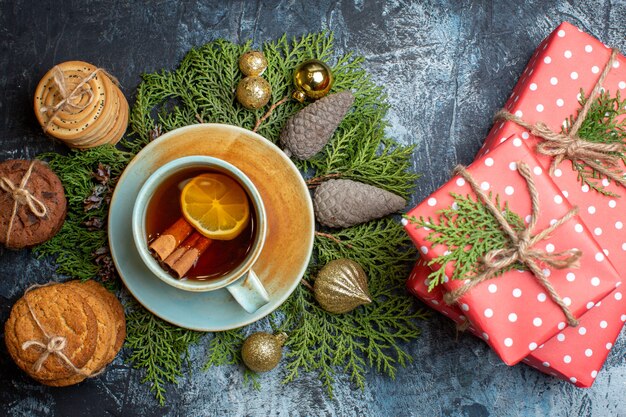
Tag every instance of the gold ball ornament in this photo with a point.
(253, 63)
(312, 79)
(253, 92)
(341, 286)
(262, 351)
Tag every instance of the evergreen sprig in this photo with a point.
(369, 336)
(159, 348)
(74, 246)
(604, 123)
(202, 89)
(468, 230)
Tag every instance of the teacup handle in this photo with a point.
(249, 292)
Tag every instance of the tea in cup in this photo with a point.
(199, 224)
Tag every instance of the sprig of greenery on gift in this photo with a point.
(202, 89)
(468, 230)
(604, 123)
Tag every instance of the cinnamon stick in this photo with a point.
(171, 238)
(186, 255)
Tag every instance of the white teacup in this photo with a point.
(241, 281)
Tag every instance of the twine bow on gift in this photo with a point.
(521, 245)
(70, 100)
(599, 156)
(52, 345)
(21, 195)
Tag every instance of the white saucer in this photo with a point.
(287, 249)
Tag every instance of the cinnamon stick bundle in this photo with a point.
(186, 255)
(171, 238)
(179, 247)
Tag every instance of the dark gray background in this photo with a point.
(447, 66)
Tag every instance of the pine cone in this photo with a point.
(306, 132)
(345, 203)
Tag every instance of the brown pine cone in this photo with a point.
(345, 203)
(306, 132)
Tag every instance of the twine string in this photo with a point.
(568, 145)
(70, 99)
(52, 345)
(520, 248)
(21, 196)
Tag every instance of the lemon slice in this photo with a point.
(216, 206)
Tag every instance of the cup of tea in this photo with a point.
(199, 224)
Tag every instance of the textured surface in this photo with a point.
(447, 66)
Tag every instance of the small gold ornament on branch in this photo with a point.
(262, 351)
(313, 79)
(341, 286)
(253, 92)
(253, 63)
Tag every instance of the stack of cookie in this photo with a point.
(61, 334)
(81, 105)
(32, 203)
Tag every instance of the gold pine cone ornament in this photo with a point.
(341, 286)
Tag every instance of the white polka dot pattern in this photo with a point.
(552, 98)
(587, 351)
(502, 307)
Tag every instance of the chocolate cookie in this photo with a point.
(32, 203)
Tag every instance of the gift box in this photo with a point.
(513, 310)
(576, 354)
(549, 91)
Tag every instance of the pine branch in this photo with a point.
(604, 123)
(369, 336)
(202, 89)
(224, 348)
(159, 348)
(468, 230)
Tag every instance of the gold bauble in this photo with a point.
(313, 79)
(252, 63)
(341, 286)
(262, 351)
(253, 92)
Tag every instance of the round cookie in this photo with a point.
(61, 312)
(43, 184)
(70, 123)
(116, 309)
(105, 341)
(97, 114)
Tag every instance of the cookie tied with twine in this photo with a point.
(61, 334)
(521, 245)
(603, 158)
(81, 105)
(32, 203)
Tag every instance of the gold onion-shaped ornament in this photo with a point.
(341, 286)
(262, 351)
(313, 79)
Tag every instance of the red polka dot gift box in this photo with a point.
(575, 354)
(570, 65)
(503, 223)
